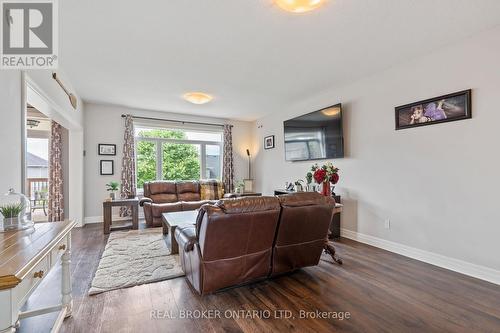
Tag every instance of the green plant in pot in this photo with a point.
(113, 188)
(11, 214)
(309, 179)
(239, 186)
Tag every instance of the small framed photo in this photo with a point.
(107, 149)
(107, 167)
(451, 107)
(269, 142)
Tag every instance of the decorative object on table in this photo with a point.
(325, 175)
(248, 185)
(106, 149)
(290, 187)
(112, 187)
(309, 179)
(299, 185)
(14, 211)
(239, 186)
(107, 167)
(451, 107)
(269, 142)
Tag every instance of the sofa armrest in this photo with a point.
(186, 237)
(144, 200)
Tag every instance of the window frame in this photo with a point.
(159, 151)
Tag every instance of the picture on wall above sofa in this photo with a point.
(451, 107)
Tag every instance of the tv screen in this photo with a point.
(315, 136)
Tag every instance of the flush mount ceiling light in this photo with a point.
(331, 112)
(299, 6)
(197, 97)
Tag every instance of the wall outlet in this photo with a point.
(387, 223)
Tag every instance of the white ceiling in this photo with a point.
(253, 57)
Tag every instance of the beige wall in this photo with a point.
(437, 184)
(103, 124)
(10, 130)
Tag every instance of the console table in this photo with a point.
(26, 256)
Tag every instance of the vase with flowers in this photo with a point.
(325, 175)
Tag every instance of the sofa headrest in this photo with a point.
(161, 187)
(248, 204)
(305, 199)
(186, 187)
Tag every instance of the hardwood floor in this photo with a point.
(382, 291)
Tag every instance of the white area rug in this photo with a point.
(132, 258)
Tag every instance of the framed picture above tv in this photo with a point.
(451, 107)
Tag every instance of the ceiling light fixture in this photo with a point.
(331, 112)
(197, 97)
(299, 6)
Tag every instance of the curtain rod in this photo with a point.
(176, 121)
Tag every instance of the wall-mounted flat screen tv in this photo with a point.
(315, 136)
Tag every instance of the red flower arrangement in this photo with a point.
(325, 175)
(327, 172)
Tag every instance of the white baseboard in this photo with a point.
(467, 268)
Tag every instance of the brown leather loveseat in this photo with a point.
(170, 196)
(236, 241)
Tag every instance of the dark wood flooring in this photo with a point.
(382, 291)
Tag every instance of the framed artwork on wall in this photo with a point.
(269, 142)
(107, 149)
(107, 167)
(451, 107)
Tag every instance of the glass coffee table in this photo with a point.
(170, 221)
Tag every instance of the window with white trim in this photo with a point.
(177, 154)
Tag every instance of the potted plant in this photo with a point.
(112, 187)
(325, 175)
(11, 214)
(239, 186)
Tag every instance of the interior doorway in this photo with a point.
(38, 127)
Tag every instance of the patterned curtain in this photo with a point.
(227, 171)
(56, 196)
(128, 165)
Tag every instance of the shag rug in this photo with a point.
(132, 258)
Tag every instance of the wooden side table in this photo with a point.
(107, 213)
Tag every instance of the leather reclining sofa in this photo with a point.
(237, 241)
(170, 196)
